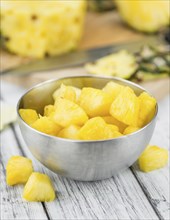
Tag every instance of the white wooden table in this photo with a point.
(130, 195)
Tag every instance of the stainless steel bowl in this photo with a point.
(76, 159)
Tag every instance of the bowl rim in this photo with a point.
(84, 76)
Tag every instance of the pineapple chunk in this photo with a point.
(28, 115)
(66, 92)
(39, 188)
(95, 102)
(67, 113)
(147, 109)
(113, 127)
(97, 129)
(125, 107)
(153, 158)
(47, 126)
(113, 89)
(18, 170)
(70, 132)
(49, 110)
(130, 129)
(114, 121)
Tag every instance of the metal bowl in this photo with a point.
(76, 159)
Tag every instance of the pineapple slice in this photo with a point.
(153, 158)
(125, 107)
(28, 115)
(147, 109)
(95, 102)
(114, 121)
(18, 170)
(46, 125)
(67, 113)
(113, 89)
(66, 92)
(97, 129)
(70, 132)
(39, 188)
(49, 110)
(130, 129)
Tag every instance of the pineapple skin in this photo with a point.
(153, 158)
(147, 16)
(39, 188)
(29, 29)
(18, 170)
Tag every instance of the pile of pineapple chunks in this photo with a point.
(93, 114)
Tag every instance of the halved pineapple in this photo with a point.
(95, 102)
(39, 188)
(130, 129)
(125, 107)
(70, 132)
(153, 158)
(47, 126)
(113, 89)
(114, 121)
(48, 110)
(147, 109)
(18, 170)
(97, 129)
(68, 112)
(28, 115)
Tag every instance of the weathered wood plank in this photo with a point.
(12, 204)
(156, 184)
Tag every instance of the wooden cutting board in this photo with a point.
(100, 29)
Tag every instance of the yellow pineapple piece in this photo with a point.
(114, 121)
(47, 126)
(153, 158)
(113, 127)
(28, 115)
(18, 170)
(67, 113)
(147, 109)
(95, 102)
(66, 92)
(48, 110)
(70, 132)
(130, 129)
(125, 107)
(113, 89)
(39, 188)
(97, 129)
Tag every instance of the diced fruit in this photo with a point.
(39, 188)
(28, 115)
(47, 126)
(70, 132)
(125, 107)
(147, 109)
(48, 110)
(153, 158)
(95, 102)
(97, 129)
(66, 92)
(18, 170)
(113, 127)
(113, 89)
(114, 121)
(67, 113)
(130, 129)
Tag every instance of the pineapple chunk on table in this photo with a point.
(125, 107)
(95, 102)
(28, 115)
(39, 188)
(67, 113)
(70, 132)
(153, 158)
(18, 170)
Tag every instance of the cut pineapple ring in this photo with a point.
(39, 188)
(18, 170)
(153, 158)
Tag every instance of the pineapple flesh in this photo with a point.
(39, 188)
(28, 115)
(38, 29)
(153, 158)
(113, 89)
(114, 121)
(130, 129)
(18, 170)
(70, 132)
